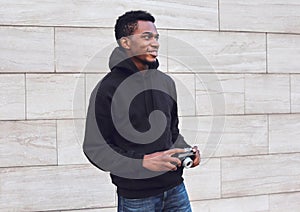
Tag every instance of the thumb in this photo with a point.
(174, 151)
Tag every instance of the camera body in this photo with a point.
(186, 157)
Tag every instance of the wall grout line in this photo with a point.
(195, 94)
(290, 84)
(172, 72)
(86, 102)
(221, 178)
(269, 206)
(219, 16)
(159, 28)
(54, 49)
(167, 31)
(25, 87)
(268, 133)
(56, 125)
(57, 26)
(244, 94)
(218, 157)
(267, 58)
(52, 165)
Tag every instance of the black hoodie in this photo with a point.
(133, 113)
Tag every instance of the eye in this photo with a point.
(150, 36)
(147, 37)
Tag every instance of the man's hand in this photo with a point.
(197, 159)
(162, 161)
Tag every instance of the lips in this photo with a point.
(153, 53)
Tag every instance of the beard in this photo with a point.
(146, 62)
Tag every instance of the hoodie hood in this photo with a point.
(119, 59)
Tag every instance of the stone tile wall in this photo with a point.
(235, 64)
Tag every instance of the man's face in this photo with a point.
(144, 43)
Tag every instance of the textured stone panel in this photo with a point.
(24, 143)
(104, 13)
(267, 94)
(83, 49)
(243, 135)
(97, 210)
(55, 96)
(186, 100)
(260, 175)
(70, 135)
(284, 133)
(285, 202)
(263, 16)
(220, 94)
(26, 49)
(55, 188)
(245, 204)
(240, 135)
(283, 53)
(203, 182)
(295, 93)
(210, 52)
(89, 49)
(12, 96)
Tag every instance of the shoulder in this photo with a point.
(166, 79)
(110, 81)
(165, 76)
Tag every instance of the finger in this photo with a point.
(170, 166)
(173, 160)
(195, 148)
(196, 161)
(198, 154)
(174, 151)
(170, 159)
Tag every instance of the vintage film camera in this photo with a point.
(186, 157)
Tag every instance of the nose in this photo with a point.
(155, 43)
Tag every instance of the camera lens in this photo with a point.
(187, 162)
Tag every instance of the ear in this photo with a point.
(125, 42)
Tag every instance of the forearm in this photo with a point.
(162, 161)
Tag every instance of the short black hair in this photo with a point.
(126, 24)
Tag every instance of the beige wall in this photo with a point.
(53, 53)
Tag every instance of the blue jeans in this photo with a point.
(173, 200)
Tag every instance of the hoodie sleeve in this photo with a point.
(98, 146)
(177, 138)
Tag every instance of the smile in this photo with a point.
(154, 53)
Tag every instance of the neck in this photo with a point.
(141, 65)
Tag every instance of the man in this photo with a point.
(132, 124)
